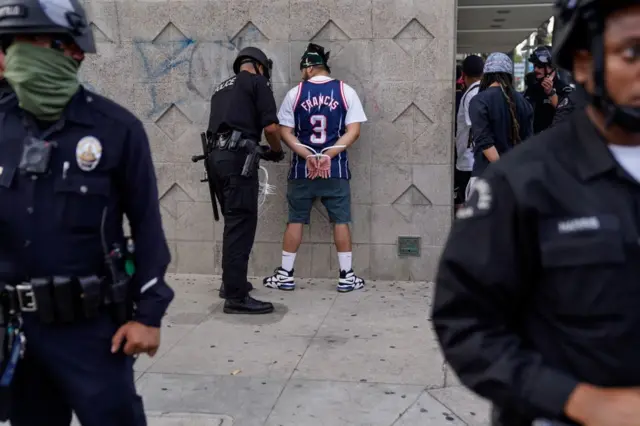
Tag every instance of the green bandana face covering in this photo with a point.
(44, 79)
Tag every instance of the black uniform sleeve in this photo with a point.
(214, 116)
(529, 95)
(480, 125)
(566, 102)
(565, 107)
(265, 102)
(480, 290)
(151, 293)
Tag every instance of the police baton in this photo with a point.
(208, 173)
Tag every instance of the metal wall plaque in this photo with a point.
(409, 246)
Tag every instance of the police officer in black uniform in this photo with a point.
(540, 314)
(242, 108)
(547, 90)
(72, 163)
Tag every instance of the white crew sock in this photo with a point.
(345, 261)
(288, 260)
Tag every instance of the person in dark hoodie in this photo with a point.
(501, 118)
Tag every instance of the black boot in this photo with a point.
(221, 292)
(247, 305)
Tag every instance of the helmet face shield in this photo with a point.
(19, 17)
(544, 59)
(268, 69)
(541, 57)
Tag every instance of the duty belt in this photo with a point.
(58, 299)
(233, 141)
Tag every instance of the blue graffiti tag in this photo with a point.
(153, 73)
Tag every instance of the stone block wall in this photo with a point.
(162, 59)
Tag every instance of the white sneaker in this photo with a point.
(349, 281)
(281, 280)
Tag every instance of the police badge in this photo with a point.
(88, 153)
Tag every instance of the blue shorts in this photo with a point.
(335, 195)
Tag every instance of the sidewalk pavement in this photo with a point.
(323, 358)
(367, 358)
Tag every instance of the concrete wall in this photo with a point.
(162, 59)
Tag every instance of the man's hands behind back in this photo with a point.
(318, 167)
(324, 167)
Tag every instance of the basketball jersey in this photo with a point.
(320, 111)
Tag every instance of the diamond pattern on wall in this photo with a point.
(170, 34)
(173, 122)
(330, 32)
(414, 37)
(409, 199)
(170, 199)
(248, 35)
(413, 122)
(99, 35)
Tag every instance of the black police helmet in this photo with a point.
(541, 57)
(571, 22)
(47, 17)
(254, 55)
(581, 26)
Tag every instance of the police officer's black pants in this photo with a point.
(240, 211)
(71, 367)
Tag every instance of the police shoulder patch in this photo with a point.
(563, 103)
(480, 201)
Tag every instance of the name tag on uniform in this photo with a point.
(579, 224)
(578, 241)
(566, 226)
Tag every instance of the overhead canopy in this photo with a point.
(498, 25)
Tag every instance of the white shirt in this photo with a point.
(464, 162)
(629, 158)
(355, 112)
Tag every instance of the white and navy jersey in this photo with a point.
(319, 111)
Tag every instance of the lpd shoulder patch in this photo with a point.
(480, 200)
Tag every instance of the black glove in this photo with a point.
(271, 155)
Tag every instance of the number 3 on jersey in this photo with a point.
(319, 123)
